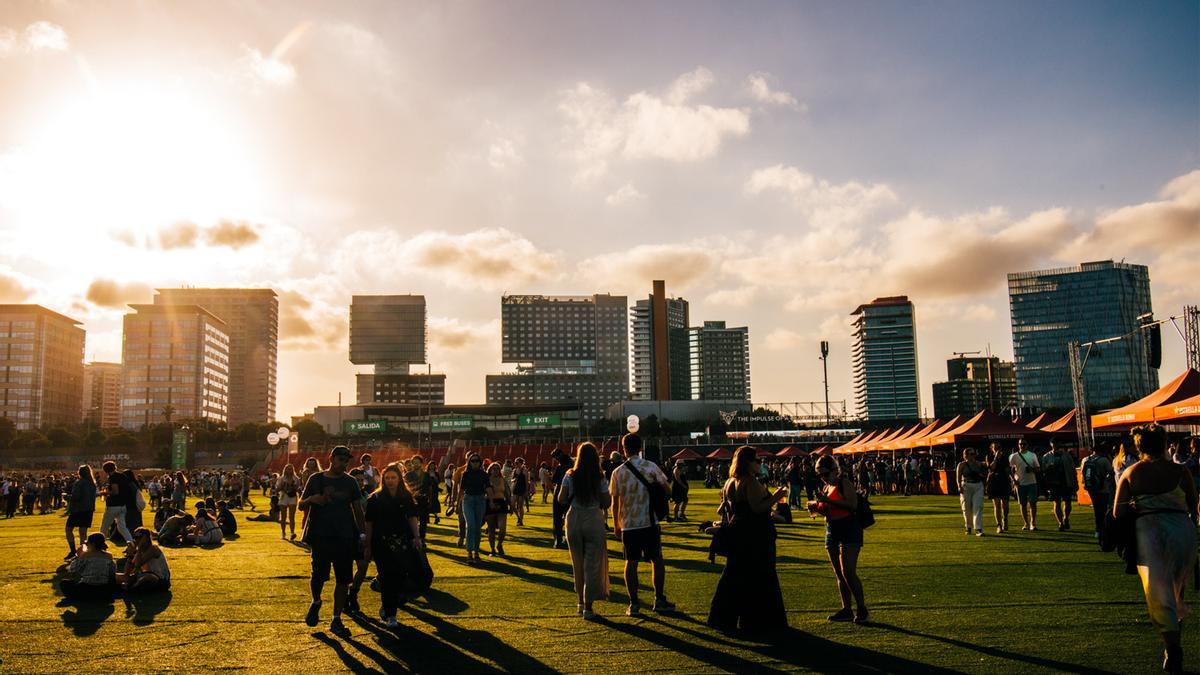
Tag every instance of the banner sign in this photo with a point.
(453, 423)
(539, 422)
(179, 444)
(365, 426)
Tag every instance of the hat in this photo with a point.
(96, 540)
(340, 451)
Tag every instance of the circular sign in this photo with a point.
(284, 432)
(273, 438)
(632, 424)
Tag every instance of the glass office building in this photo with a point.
(884, 357)
(1092, 301)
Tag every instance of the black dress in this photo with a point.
(748, 596)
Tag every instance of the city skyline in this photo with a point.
(334, 151)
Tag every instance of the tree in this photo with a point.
(168, 412)
(8, 431)
(311, 430)
(94, 439)
(247, 432)
(61, 438)
(30, 439)
(120, 439)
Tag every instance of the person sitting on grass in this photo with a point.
(94, 571)
(205, 531)
(226, 520)
(146, 569)
(174, 528)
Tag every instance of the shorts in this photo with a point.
(644, 543)
(336, 552)
(843, 533)
(1027, 494)
(285, 500)
(1061, 493)
(80, 519)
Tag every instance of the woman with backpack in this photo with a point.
(838, 501)
(748, 596)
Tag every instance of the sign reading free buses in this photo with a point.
(539, 422)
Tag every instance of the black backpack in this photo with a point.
(1094, 477)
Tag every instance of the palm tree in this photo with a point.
(167, 411)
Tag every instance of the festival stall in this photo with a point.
(1186, 411)
(793, 451)
(1142, 411)
(686, 454)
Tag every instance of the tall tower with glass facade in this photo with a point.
(388, 333)
(1091, 301)
(884, 357)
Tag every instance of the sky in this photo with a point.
(778, 164)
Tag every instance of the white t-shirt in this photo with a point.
(1021, 462)
(635, 498)
(568, 488)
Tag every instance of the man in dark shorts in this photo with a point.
(335, 522)
(636, 527)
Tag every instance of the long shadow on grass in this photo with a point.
(494, 565)
(481, 642)
(85, 618)
(994, 652)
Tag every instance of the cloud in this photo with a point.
(309, 324)
(43, 35)
(486, 259)
(269, 70)
(761, 91)
(179, 235)
(742, 296)
(683, 265)
(115, 295)
(782, 339)
(824, 203)
(626, 193)
(503, 154)
(452, 334)
(8, 40)
(1151, 227)
(13, 286)
(234, 234)
(645, 126)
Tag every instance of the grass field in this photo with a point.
(941, 602)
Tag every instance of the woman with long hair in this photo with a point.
(837, 501)
(391, 513)
(1164, 497)
(472, 503)
(585, 492)
(499, 503)
(998, 486)
(81, 507)
(520, 489)
(179, 488)
(748, 596)
(288, 490)
(433, 485)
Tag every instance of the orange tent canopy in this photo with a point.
(895, 435)
(1037, 422)
(885, 435)
(865, 438)
(1142, 410)
(852, 441)
(793, 451)
(720, 453)
(1062, 425)
(985, 426)
(686, 454)
(923, 440)
(1179, 412)
(915, 430)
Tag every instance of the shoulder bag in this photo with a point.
(659, 503)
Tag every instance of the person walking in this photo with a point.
(287, 489)
(392, 513)
(636, 525)
(1026, 467)
(748, 596)
(81, 508)
(679, 490)
(1099, 480)
(999, 486)
(837, 501)
(585, 494)
(472, 503)
(557, 510)
(520, 490)
(970, 474)
(1164, 498)
(116, 499)
(1058, 473)
(331, 499)
(499, 503)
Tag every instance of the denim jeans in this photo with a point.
(473, 509)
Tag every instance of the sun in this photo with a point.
(132, 156)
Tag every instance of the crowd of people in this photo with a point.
(353, 516)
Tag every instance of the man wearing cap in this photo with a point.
(335, 522)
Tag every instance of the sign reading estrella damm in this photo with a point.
(539, 422)
(453, 423)
(365, 426)
(179, 443)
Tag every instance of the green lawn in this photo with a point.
(941, 601)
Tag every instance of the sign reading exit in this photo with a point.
(539, 421)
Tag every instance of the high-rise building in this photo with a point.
(570, 350)
(174, 356)
(251, 316)
(41, 367)
(102, 395)
(1092, 301)
(884, 357)
(974, 384)
(719, 362)
(388, 333)
(661, 358)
